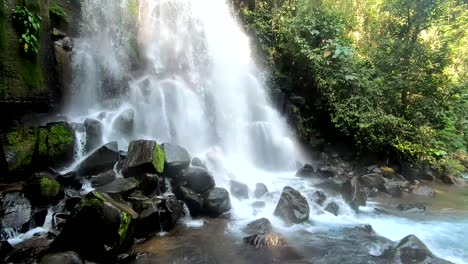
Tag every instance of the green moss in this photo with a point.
(31, 75)
(49, 187)
(124, 225)
(93, 199)
(57, 12)
(59, 138)
(42, 144)
(21, 143)
(159, 157)
(132, 7)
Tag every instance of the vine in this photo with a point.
(28, 25)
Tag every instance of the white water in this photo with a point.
(197, 86)
(14, 237)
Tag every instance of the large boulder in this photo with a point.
(17, 210)
(43, 189)
(103, 178)
(332, 208)
(268, 240)
(69, 257)
(372, 180)
(93, 129)
(239, 189)
(292, 207)
(160, 214)
(412, 250)
(177, 159)
(125, 122)
(216, 201)
(198, 163)
(195, 179)
(306, 171)
(122, 186)
(353, 194)
(392, 188)
(101, 160)
(99, 229)
(144, 156)
(260, 190)
(259, 226)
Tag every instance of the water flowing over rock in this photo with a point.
(266, 240)
(319, 197)
(239, 189)
(333, 208)
(124, 123)
(17, 210)
(412, 250)
(260, 190)
(93, 129)
(353, 194)
(161, 214)
(292, 207)
(306, 171)
(103, 159)
(259, 226)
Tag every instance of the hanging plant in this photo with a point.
(28, 25)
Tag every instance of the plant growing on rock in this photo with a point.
(28, 25)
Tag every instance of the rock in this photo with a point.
(259, 226)
(161, 215)
(43, 190)
(17, 210)
(333, 208)
(266, 240)
(292, 207)
(216, 201)
(103, 178)
(72, 199)
(258, 204)
(121, 186)
(93, 129)
(424, 190)
(306, 171)
(392, 188)
(353, 194)
(325, 172)
(38, 217)
(260, 190)
(198, 163)
(196, 179)
(372, 180)
(5, 249)
(28, 250)
(177, 159)
(101, 160)
(99, 229)
(69, 257)
(374, 169)
(412, 208)
(319, 197)
(57, 34)
(70, 179)
(298, 100)
(387, 171)
(239, 190)
(151, 184)
(412, 250)
(194, 201)
(144, 156)
(139, 201)
(124, 123)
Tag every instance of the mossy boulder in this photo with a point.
(98, 230)
(101, 160)
(43, 189)
(144, 156)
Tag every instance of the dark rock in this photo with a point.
(59, 220)
(239, 190)
(101, 160)
(161, 215)
(144, 156)
(93, 129)
(28, 250)
(72, 199)
(424, 191)
(353, 194)
(17, 210)
(194, 201)
(103, 178)
(292, 207)
(99, 229)
(69, 257)
(70, 179)
(38, 217)
(216, 201)
(120, 186)
(325, 172)
(306, 171)
(196, 179)
(43, 190)
(319, 197)
(151, 184)
(374, 169)
(259, 226)
(139, 201)
(298, 100)
(412, 250)
(333, 208)
(177, 159)
(392, 188)
(198, 163)
(124, 123)
(412, 207)
(269, 240)
(5, 249)
(260, 190)
(372, 180)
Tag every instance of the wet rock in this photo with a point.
(258, 204)
(139, 201)
(259, 226)
(319, 197)
(161, 215)
(292, 207)
(70, 179)
(353, 194)
(374, 169)
(72, 198)
(196, 179)
(412, 250)
(103, 178)
(325, 172)
(412, 208)
(392, 188)
(101, 160)
(216, 201)
(144, 156)
(424, 190)
(17, 210)
(93, 129)
(43, 190)
(124, 123)
(99, 229)
(269, 240)
(121, 186)
(372, 180)
(333, 208)
(306, 171)
(69, 257)
(260, 190)
(28, 250)
(151, 184)
(388, 171)
(239, 190)
(298, 100)
(177, 159)
(194, 201)
(38, 217)
(198, 163)
(59, 220)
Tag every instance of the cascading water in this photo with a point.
(183, 72)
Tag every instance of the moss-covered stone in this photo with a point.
(159, 157)
(60, 139)
(124, 227)
(49, 187)
(19, 148)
